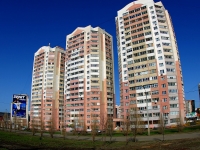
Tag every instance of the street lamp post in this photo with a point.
(147, 110)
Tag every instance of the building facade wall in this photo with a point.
(149, 63)
(47, 93)
(89, 78)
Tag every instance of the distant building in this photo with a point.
(117, 111)
(2, 114)
(190, 106)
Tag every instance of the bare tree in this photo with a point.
(109, 127)
(74, 125)
(33, 126)
(10, 126)
(5, 119)
(179, 122)
(126, 127)
(2, 125)
(136, 122)
(103, 125)
(94, 127)
(52, 127)
(161, 127)
(41, 127)
(82, 126)
(19, 124)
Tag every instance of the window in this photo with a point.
(164, 107)
(173, 105)
(160, 58)
(173, 120)
(161, 64)
(164, 99)
(152, 64)
(163, 85)
(170, 69)
(171, 77)
(173, 98)
(162, 71)
(172, 84)
(158, 45)
(173, 90)
(169, 63)
(157, 39)
(164, 92)
(174, 113)
(154, 92)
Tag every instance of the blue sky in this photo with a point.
(25, 26)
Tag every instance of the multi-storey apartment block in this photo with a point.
(89, 77)
(47, 92)
(149, 63)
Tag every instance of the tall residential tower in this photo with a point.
(89, 77)
(47, 93)
(149, 63)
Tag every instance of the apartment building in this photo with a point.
(89, 77)
(149, 63)
(47, 93)
(190, 106)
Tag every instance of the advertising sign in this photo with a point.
(19, 105)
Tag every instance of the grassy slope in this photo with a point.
(28, 141)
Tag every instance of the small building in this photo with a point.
(190, 106)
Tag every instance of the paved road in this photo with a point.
(123, 138)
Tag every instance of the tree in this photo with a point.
(19, 121)
(33, 126)
(5, 119)
(94, 127)
(103, 124)
(126, 127)
(82, 125)
(179, 122)
(136, 122)
(15, 121)
(41, 127)
(109, 127)
(52, 127)
(10, 126)
(161, 126)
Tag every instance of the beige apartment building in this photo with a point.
(149, 63)
(47, 93)
(89, 77)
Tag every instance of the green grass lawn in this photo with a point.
(11, 140)
(153, 132)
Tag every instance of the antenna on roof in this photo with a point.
(49, 44)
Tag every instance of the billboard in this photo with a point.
(19, 105)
